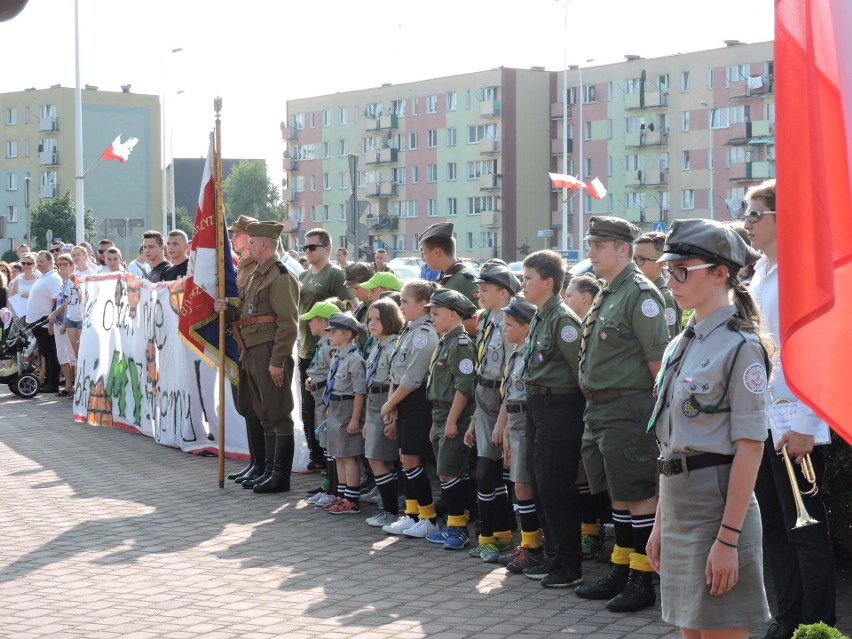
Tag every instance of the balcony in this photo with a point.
(383, 123)
(489, 182)
(46, 125)
(653, 100)
(635, 215)
(489, 147)
(48, 190)
(646, 138)
(48, 158)
(642, 179)
(556, 111)
(489, 219)
(757, 132)
(381, 189)
(291, 165)
(295, 225)
(379, 223)
(293, 197)
(489, 108)
(289, 133)
(743, 90)
(752, 171)
(384, 156)
(556, 147)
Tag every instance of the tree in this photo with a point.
(183, 222)
(249, 191)
(59, 215)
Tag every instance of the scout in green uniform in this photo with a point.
(450, 388)
(382, 283)
(358, 273)
(267, 326)
(647, 250)
(554, 419)
(496, 285)
(624, 336)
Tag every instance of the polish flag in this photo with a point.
(119, 150)
(566, 181)
(813, 98)
(596, 189)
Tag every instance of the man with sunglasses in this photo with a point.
(56, 247)
(103, 245)
(800, 560)
(319, 281)
(646, 252)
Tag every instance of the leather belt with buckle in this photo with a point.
(487, 383)
(516, 408)
(678, 465)
(535, 389)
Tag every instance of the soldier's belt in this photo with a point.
(379, 388)
(438, 403)
(516, 407)
(340, 398)
(258, 319)
(487, 383)
(598, 397)
(320, 385)
(669, 467)
(535, 389)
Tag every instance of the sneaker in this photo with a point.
(399, 526)
(421, 530)
(506, 558)
(591, 545)
(538, 571)
(313, 499)
(372, 496)
(562, 577)
(457, 538)
(526, 558)
(439, 536)
(381, 519)
(344, 507)
(333, 502)
(324, 500)
(476, 551)
(489, 553)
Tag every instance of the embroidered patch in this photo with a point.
(705, 363)
(754, 378)
(419, 341)
(466, 366)
(604, 335)
(689, 409)
(568, 334)
(650, 308)
(671, 317)
(519, 385)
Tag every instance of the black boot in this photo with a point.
(608, 587)
(269, 443)
(279, 480)
(257, 444)
(637, 594)
(252, 456)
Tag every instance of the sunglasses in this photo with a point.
(313, 247)
(640, 261)
(680, 273)
(753, 215)
(101, 251)
(27, 263)
(59, 250)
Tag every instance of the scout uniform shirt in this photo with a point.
(378, 364)
(412, 353)
(452, 370)
(626, 332)
(350, 374)
(271, 292)
(491, 348)
(318, 287)
(674, 316)
(458, 279)
(321, 363)
(551, 355)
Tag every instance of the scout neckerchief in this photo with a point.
(589, 325)
(536, 320)
(316, 353)
(507, 372)
(374, 363)
(326, 398)
(432, 362)
(484, 344)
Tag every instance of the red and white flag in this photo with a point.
(561, 181)
(119, 150)
(813, 98)
(596, 189)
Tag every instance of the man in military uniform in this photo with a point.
(554, 420)
(380, 265)
(623, 340)
(647, 250)
(268, 326)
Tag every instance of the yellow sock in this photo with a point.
(466, 516)
(427, 512)
(486, 540)
(503, 536)
(621, 556)
(411, 507)
(591, 529)
(456, 521)
(531, 540)
(640, 562)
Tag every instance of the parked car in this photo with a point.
(416, 262)
(406, 271)
(517, 269)
(583, 266)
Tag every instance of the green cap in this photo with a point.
(271, 230)
(441, 228)
(383, 280)
(710, 240)
(241, 224)
(320, 309)
(453, 300)
(607, 227)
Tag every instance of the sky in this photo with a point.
(257, 54)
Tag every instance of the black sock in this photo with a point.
(642, 525)
(603, 507)
(503, 513)
(341, 490)
(388, 486)
(352, 493)
(529, 516)
(454, 494)
(487, 511)
(623, 528)
(419, 482)
(587, 504)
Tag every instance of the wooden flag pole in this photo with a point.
(220, 282)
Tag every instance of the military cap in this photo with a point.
(707, 239)
(607, 227)
(320, 309)
(345, 321)
(383, 280)
(499, 274)
(440, 229)
(358, 273)
(241, 224)
(270, 230)
(453, 300)
(520, 309)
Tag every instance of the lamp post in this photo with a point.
(163, 156)
(712, 158)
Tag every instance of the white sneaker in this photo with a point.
(324, 500)
(421, 529)
(381, 519)
(372, 497)
(313, 499)
(399, 526)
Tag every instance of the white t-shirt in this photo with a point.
(42, 295)
(138, 269)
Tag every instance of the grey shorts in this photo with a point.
(487, 411)
(453, 457)
(341, 443)
(377, 445)
(319, 418)
(517, 433)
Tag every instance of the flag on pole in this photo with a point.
(596, 189)
(561, 181)
(199, 323)
(119, 150)
(813, 97)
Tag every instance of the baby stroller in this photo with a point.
(17, 342)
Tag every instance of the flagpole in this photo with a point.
(79, 196)
(220, 283)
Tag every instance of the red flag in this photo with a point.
(813, 62)
(119, 150)
(561, 181)
(596, 189)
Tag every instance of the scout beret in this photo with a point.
(707, 239)
(441, 228)
(270, 230)
(520, 309)
(320, 309)
(500, 274)
(241, 224)
(453, 300)
(345, 321)
(358, 273)
(383, 280)
(607, 227)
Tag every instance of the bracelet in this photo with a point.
(732, 529)
(725, 543)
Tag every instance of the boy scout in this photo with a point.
(554, 419)
(624, 337)
(356, 274)
(450, 388)
(647, 250)
(383, 285)
(496, 285)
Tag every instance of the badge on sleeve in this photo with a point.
(568, 334)
(420, 341)
(650, 308)
(466, 366)
(754, 378)
(671, 316)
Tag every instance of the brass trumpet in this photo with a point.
(803, 518)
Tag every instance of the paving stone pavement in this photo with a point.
(107, 534)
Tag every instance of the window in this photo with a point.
(431, 208)
(631, 85)
(489, 94)
(487, 239)
(398, 175)
(719, 118)
(609, 129)
(663, 122)
(341, 210)
(664, 202)
(341, 115)
(412, 141)
(609, 91)
(413, 106)
(341, 180)
(478, 168)
(609, 203)
(432, 104)
(12, 213)
(432, 138)
(684, 121)
(467, 100)
(298, 121)
(313, 183)
(326, 150)
(736, 72)
(633, 124)
(313, 214)
(634, 162)
(710, 78)
(588, 168)
(590, 94)
(452, 206)
(451, 101)
(481, 132)
(431, 173)
(300, 184)
(634, 200)
(11, 116)
(684, 161)
(684, 81)
(325, 213)
(663, 83)
(12, 181)
(325, 182)
(12, 149)
(398, 242)
(451, 171)
(326, 118)
(475, 205)
(769, 113)
(341, 148)
(687, 199)
(663, 161)
(312, 119)
(406, 208)
(398, 108)
(469, 243)
(739, 114)
(587, 130)
(736, 155)
(27, 113)
(26, 148)
(415, 175)
(572, 95)
(396, 141)
(451, 137)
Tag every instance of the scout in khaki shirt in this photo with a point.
(647, 250)
(450, 387)
(554, 419)
(356, 274)
(710, 421)
(624, 336)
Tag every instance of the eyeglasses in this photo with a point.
(640, 261)
(101, 251)
(59, 250)
(680, 273)
(752, 216)
(313, 247)
(27, 263)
